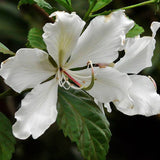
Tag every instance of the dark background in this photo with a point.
(133, 137)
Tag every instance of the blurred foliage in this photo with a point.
(133, 138)
(7, 139)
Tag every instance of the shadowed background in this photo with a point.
(133, 137)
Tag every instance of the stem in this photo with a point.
(43, 13)
(89, 10)
(128, 7)
(139, 4)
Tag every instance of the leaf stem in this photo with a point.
(139, 4)
(127, 7)
(90, 10)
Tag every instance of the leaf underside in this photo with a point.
(135, 31)
(84, 123)
(35, 38)
(41, 3)
(5, 50)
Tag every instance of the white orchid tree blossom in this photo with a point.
(31, 68)
(138, 55)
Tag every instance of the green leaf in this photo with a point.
(66, 4)
(7, 140)
(43, 4)
(5, 50)
(40, 3)
(135, 31)
(21, 2)
(35, 38)
(100, 4)
(84, 123)
(70, 3)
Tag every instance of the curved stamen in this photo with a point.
(80, 86)
(62, 81)
(92, 79)
(67, 87)
(153, 81)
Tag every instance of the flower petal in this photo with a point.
(61, 36)
(146, 101)
(101, 40)
(26, 69)
(108, 106)
(154, 27)
(38, 111)
(109, 83)
(138, 53)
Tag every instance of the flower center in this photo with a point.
(67, 81)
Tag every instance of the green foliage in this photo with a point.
(84, 123)
(69, 1)
(43, 4)
(7, 140)
(21, 2)
(40, 3)
(12, 26)
(135, 31)
(5, 50)
(35, 38)
(66, 4)
(100, 4)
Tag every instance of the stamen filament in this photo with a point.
(71, 78)
(77, 83)
(92, 80)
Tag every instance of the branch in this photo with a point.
(43, 13)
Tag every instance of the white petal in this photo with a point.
(61, 36)
(138, 52)
(38, 111)
(154, 27)
(110, 85)
(146, 101)
(100, 105)
(26, 69)
(101, 40)
(108, 106)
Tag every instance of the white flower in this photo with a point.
(138, 54)
(30, 68)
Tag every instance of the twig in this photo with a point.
(43, 13)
